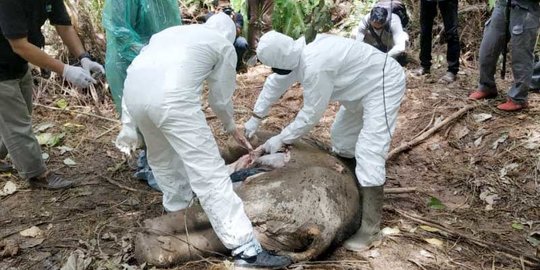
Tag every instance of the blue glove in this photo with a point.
(273, 144)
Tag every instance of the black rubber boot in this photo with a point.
(263, 260)
(372, 201)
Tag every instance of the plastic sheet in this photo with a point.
(129, 24)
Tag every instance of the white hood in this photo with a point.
(280, 51)
(223, 24)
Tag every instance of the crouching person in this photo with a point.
(162, 98)
(333, 68)
(384, 31)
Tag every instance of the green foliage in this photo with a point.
(435, 203)
(288, 17)
(294, 17)
(96, 6)
(319, 21)
(517, 226)
(361, 8)
(491, 3)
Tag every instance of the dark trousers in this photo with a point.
(523, 30)
(428, 11)
(16, 135)
(241, 47)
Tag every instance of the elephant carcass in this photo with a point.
(298, 210)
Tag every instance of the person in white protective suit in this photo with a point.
(162, 97)
(339, 69)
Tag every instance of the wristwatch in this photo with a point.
(85, 55)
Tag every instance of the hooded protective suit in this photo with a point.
(162, 98)
(333, 68)
(129, 24)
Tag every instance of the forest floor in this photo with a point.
(477, 182)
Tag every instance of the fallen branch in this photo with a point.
(399, 190)
(510, 253)
(119, 185)
(429, 132)
(107, 131)
(79, 112)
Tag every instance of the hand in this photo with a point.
(251, 126)
(78, 76)
(128, 139)
(92, 66)
(273, 144)
(241, 140)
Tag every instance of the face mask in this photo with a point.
(281, 71)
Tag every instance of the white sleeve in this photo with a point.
(221, 84)
(274, 87)
(318, 89)
(362, 28)
(399, 36)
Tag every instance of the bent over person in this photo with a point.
(162, 96)
(384, 31)
(20, 43)
(333, 68)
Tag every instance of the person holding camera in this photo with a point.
(240, 43)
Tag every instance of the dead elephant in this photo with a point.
(298, 210)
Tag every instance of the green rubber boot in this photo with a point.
(372, 201)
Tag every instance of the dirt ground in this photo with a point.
(475, 202)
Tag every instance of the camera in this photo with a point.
(228, 10)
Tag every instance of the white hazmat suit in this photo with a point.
(333, 68)
(162, 95)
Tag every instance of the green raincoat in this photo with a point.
(129, 24)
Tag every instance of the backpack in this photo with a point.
(398, 8)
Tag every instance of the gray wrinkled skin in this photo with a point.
(299, 210)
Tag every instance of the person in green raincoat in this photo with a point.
(129, 24)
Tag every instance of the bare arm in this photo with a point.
(71, 39)
(35, 55)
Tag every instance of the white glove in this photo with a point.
(128, 139)
(78, 76)
(92, 66)
(251, 126)
(273, 144)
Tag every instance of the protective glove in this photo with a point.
(273, 144)
(92, 66)
(78, 76)
(128, 139)
(251, 126)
